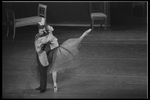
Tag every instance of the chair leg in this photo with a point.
(105, 23)
(7, 30)
(92, 24)
(101, 25)
(143, 11)
(131, 12)
(14, 32)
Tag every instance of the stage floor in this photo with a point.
(111, 64)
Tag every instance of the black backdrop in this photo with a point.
(57, 12)
(74, 12)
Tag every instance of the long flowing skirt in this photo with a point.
(62, 57)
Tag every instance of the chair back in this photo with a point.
(138, 4)
(42, 10)
(10, 17)
(98, 7)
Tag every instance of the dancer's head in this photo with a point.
(49, 28)
(41, 30)
(44, 29)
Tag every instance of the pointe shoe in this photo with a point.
(89, 30)
(55, 89)
(85, 34)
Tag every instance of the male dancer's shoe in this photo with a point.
(42, 91)
(38, 88)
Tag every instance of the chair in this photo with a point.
(11, 21)
(138, 4)
(98, 12)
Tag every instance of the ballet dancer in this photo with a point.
(62, 55)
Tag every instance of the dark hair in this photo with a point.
(46, 26)
(41, 26)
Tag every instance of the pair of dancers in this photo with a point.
(57, 57)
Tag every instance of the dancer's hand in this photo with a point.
(42, 22)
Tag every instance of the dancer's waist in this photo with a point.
(67, 50)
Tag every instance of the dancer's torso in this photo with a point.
(40, 44)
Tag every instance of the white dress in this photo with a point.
(63, 55)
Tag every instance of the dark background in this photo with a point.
(77, 12)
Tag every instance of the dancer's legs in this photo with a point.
(38, 72)
(43, 80)
(54, 75)
(84, 34)
(42, 75)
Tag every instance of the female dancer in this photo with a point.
(62, 55)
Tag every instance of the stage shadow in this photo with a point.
(63, 76)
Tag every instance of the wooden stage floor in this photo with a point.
(111, 64)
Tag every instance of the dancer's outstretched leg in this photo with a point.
(84, 34)
(54, 75)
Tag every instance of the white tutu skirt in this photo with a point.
(61, 57)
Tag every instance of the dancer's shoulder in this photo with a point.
(36, 36)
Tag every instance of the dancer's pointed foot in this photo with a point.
(86, 32)
(89, 30)
(55, 89)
